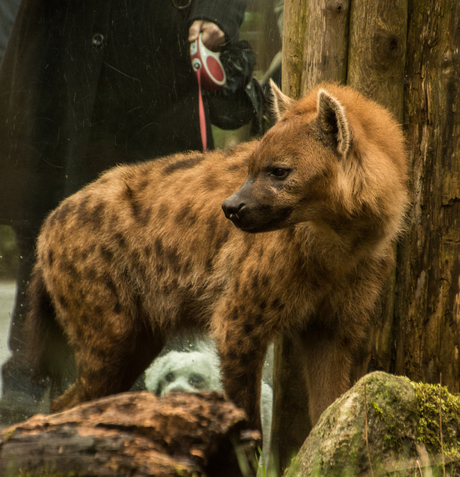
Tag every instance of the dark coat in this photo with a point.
(85, 85)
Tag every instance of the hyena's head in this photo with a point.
(291, 171)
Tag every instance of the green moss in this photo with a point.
(377, 409)
(402, 414)
(435, 402)
(8, 435)
(295, 468)
(395, 436)
(428, 430)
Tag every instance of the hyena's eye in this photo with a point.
(280, 172)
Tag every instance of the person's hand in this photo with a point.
(212, 37)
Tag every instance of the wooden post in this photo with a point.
(376, 65)
(319, 54)
(293, 35)
(325, 50)
(291, 422)
(376, 47)
(377, 51)
(286, 437)
(404, 54)
(428, 290)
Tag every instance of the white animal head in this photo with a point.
(181, 371)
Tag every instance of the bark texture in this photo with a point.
(315, 49)
(405, 55)
(134, 434)
(376, 67)
(325, 53)
(377, 51)
(293, 38)
(290, 424)
(428, 297)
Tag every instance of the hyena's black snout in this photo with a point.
(240, 209)
(232, 207)
(251, 214)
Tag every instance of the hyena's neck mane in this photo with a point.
(357, 237)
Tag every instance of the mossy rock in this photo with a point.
(385, 425)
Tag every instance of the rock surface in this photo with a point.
(380, 427)
(135, 434)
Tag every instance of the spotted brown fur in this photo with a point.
(146, 252)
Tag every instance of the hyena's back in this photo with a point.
(143, 242)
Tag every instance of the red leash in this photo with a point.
(204, 139)
(210, 74)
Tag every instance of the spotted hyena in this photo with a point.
(304, 242)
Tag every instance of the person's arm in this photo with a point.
(227, 15)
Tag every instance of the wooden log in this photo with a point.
(136, 434)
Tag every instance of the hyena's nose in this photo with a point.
(231, 207)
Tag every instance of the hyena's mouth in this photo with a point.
(257, 224)
(254, 218)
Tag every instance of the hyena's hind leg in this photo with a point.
(110, 363)
(48, 352)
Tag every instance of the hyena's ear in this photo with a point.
(333, 121)
(281, 102)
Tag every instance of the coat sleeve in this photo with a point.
(226, 14)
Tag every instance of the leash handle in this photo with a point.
(210, 75)
(204, 140)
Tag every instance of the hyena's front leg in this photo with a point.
(327, 356)
(242, 345)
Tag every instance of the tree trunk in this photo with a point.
(290, 424)
(377, 51)
(325, 54)
(319, 55)
(428, 297)
(293, 35)
(405, 55)
(376, 63)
